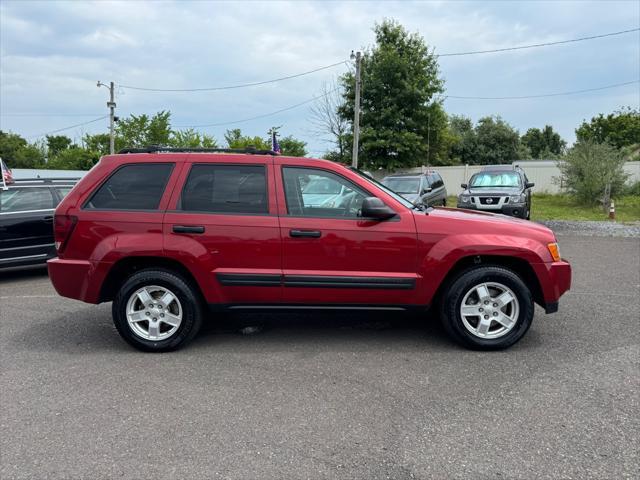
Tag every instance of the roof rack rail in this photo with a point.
(161, 148)
(46, 180)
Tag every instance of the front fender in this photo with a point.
(441, 257)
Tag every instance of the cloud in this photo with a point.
(52, 53)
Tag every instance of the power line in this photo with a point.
(68, 128)
(260, 116)
(48, 114)
(229, 87)
(536, 45)
(476, 52)
(558, 94)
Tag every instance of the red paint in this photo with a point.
(414, 245)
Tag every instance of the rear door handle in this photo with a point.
(305, 233)
(188, 229)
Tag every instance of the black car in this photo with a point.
(426, 188)
(26, 220)
(498, 189)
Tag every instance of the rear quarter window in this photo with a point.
(132, 187)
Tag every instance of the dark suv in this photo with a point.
(26, 220)
(426, 189)
(165, 234)
(498, 189)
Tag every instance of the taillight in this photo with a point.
(63, 225)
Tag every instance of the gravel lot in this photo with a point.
(328, 395)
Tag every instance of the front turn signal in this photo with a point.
(554, 250)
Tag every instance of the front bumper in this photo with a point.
(513, 209)
(555, 281)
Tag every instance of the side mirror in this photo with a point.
(464, 185)
(529, 185)
(426, 190)
(373, 207)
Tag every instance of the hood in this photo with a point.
(452, 221)
(493, 191)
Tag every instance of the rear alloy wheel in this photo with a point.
(154, 313)
(487, 308)
(157, 311)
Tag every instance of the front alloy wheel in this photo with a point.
(487, 308)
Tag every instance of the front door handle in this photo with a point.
(305, 233)
(188, 229)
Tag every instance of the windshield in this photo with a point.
(373, 181)
(402, 185)
(506, 179)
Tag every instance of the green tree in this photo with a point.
(292, 147)
(97, 143)
(191, 139)
(620, 128)
(593, 170)
(56, 144)
(142, 130)
(400, 117)
(235, 139)
(18, 153)
(544, 143)
(497, 142)
(491, 141)
(464, 143)
(74, 158)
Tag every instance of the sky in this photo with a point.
(53, 53)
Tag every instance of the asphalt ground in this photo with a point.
(327, 395)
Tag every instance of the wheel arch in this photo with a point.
(517, 265)
(124, 268)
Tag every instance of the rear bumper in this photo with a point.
(555, 280)
(75, 279)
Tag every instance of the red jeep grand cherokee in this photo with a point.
(166, 233)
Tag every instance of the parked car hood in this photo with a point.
(452, 221)
(493, 191)
(412, 197)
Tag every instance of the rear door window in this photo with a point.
(25, 199)
(225, 189)
(132, 187)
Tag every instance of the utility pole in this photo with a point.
(356, 110)
(112, 118)
(428, 138)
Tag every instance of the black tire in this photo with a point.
(188, 296)
(454, 294)
(444, 202)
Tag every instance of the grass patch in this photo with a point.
(564, 207)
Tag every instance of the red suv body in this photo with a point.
(250, 230)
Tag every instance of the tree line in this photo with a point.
(61, 152)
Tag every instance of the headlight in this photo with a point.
(518, 198)
(464, 198)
